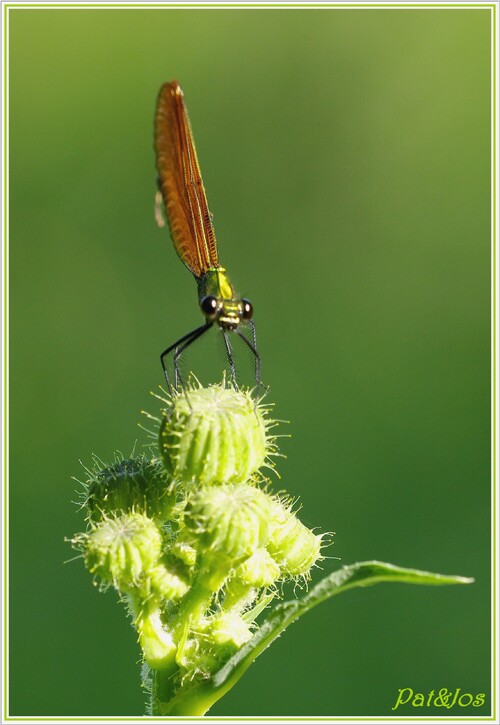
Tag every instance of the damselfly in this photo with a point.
(181, 189)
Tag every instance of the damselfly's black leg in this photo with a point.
(230, 358)
(178, 348)
(256, 356)
(178, 352)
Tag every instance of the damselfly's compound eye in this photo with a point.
(247, 309)
(209, 305)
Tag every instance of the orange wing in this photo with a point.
(181, 184)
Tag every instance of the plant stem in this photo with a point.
(162, 689)
(190, 699)
(196, 697)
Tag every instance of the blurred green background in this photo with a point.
(346, 156)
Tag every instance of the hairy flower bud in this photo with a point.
(230, 519)
(214, 435)
(230, 627)
(167, 583)
(260, 570)
(155, 640)
(291, 544)
(184, 552)
(135, 484)
(121, 549)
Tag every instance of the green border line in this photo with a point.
(265, 719)
(257, 6)
(5, 361)
(254, 6)
(494, 295)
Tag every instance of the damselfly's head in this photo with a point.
(219, 302)
(227, 313)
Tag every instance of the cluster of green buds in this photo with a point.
(191, 536)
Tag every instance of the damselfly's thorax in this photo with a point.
(219, 302)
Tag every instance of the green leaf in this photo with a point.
(196, 699)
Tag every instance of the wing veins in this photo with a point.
(182, 187)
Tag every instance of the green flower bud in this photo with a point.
(197, 655)
(155, 640)
(260, 570)
(135, 484)
(120, 550)
(167, 584)
(230, 628)
(184, 552)
(156, 644)
(291, 544)
(214, 435)
(238, 596)
(229, 519)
